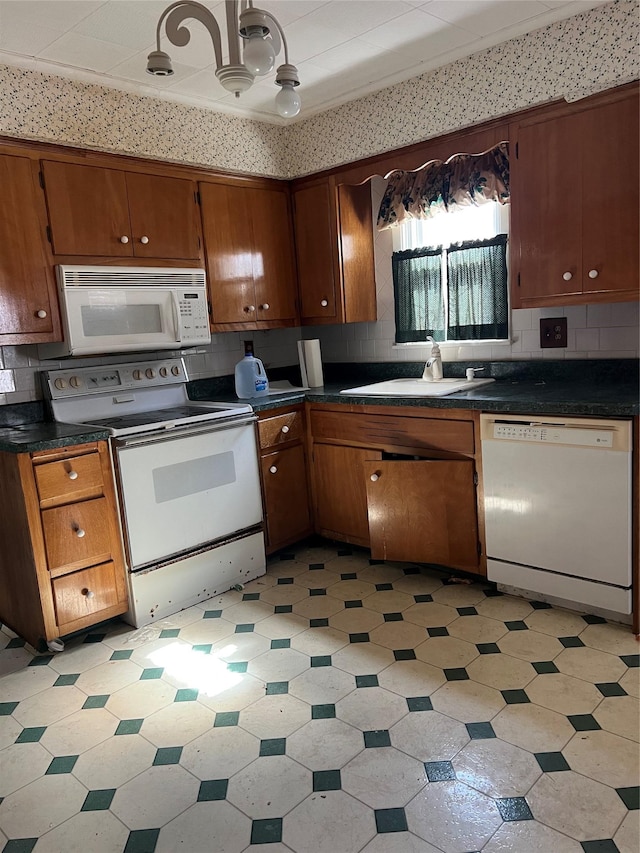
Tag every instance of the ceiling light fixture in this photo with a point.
(263, 38)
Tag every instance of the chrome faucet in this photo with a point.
(433, 368)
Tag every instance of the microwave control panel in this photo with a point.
(194, 316)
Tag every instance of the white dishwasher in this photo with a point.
(557, 500)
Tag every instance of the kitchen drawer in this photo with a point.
(394, 432)
(82, 594)
(77, 535)
(280, 429)
(68, 480)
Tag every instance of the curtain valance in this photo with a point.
(464, 179)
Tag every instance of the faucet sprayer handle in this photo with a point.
(471, 372)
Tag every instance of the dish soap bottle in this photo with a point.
(251, 378)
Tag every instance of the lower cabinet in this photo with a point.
(62, 569)
(404, 485)
(284, 477)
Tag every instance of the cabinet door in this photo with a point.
(272, 257)
(88, 212)
(228, 242)
(547, 208)
(316, 247)
(340, 491)
(424, 511)
(610, 182)
(25, 305)
(286, 499)
(164, 216)
(357, 253)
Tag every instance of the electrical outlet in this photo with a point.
(553, 332)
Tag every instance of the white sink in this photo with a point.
(416, 387)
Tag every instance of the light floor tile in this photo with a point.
(411, 678)
(282, 626)
(318, 579)
(46, 708)
(356, 620)
(478, 629)
(430, 614)
(383, 778)
(335, 821)
(389, 601)
(608, 637)
(100, 832)
(371, 708)
(321, 685)
(429, 736)
(496, 768)
(155, 796)
(533, 727)
(255, 791)
(114, 762)
(140, 699)
(79, 732)
(22, 763)
(177, 724)
(319, 641)
(41, 805)
(556, 622)
(459, 595)
(325, 744)
(620, 715)
(628, 834)
(446, 652)
(501, 671)
(206, 826)
(506, 608)
(109, 677)
(318, 607)
(630, 681)
(530, 645)
(467, 701)
(529, 836)
(351, 590)
(80, 657)
(604, 757)
(275, 716)
(220, 752)
(590, 665)
(564, 694)
(398, 842)
(227, 690)
(9, 731)
(363, 658)
(278, 665)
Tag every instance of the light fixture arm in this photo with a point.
(177, 13)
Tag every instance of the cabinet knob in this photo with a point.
(273, 469)
(324, 303)
(124, 239)
(567, 276)
(41, 313)
(593, 273)
(72, 475)
(88, 593)
(144, 240)
(79, 532)
(250, 308)
(285, 429)
(375, 477)
(265, 307)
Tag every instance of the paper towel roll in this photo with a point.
(313, 363)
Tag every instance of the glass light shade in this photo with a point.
(288, 101)
(259, 56)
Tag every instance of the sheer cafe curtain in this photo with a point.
(473, 303)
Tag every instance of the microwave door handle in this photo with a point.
(176, 316)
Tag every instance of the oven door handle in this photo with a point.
(184, 431)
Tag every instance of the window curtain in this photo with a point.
(477, 290)
(464, 179)
(417, 287)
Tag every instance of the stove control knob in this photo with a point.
(60, 384)
(137, 374)
(150, 373)
(75, 381)
(163, 372)
(175, 370)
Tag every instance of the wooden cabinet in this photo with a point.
(95, 211)
(248, 239)
(403, 484)
(61, 566)
(284, 477)
(575, 204)
(28, 306)
(334, 250)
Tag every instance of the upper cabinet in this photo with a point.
(574, 204)
(28, 307)
(248, 241)
(101, 212)
(334, 248)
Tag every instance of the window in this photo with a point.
(450, 275)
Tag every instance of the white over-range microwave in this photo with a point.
(129, 309)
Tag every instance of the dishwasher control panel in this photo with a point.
(553, 434)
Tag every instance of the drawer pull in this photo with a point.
(593, 273)
(72, 475)
(375, 477)
(124, 239)
(79, 532)
(88, 593)
(41, 314)
(285, 429)
(265, 306)
(144, 240)
(324, 303)
(273, 469)
(567, 276)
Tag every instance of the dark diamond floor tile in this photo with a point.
(583, 722)
(142, 841)
(351, 605)
(602, 845)
(16, 643)
(273, 746)
(238, 666)
(630, 797)
(98, 801)
(61, 764)
(551, 762)
(327, 780)
(121, 654)
(422, 599)
(283, 608)
(41, 660)
(186, 694)
(377, 738)
(438, 632)
(630, 660)
(167, 755)
(266, 831)
(66, 680)
(7, 708)
(226, 718)
(168, 633)
(412, 570)
(315, 566)
(245, 628)
(467, 611)
(320, 660)
(419, 703)
(94, 638)
(319, 591)
(285, 581)
(480, 731)
(277, 688)
(457, 673)
(286, 557)
(493, 593)
(439, 771)
(129, 727)
(376, 562)
(391, 820)
(348, 576)
(384, 587)
(488, 648)
(251, 596)
(593, 620)
(280, 644)
(571, 642)
(213, 789)
(517, 625)
(393, 617)
(31, 734)
(212, 614)
(366, 681)
(545, 667)
(612, 688)
(515, 697)
(514, 808)
(404, 654)
(318, 623)
(96, 701)
(323, 712)
(345, 552)
(359, 638)
(151, 673)
(20, 845)
(540, 605)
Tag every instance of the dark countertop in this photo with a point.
(45, 435)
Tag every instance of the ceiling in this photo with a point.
(343, 49)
